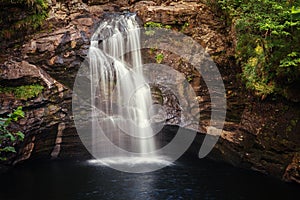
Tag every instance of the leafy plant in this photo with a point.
(268, 38)
(159, 58)
(8, 138)
(296, 12)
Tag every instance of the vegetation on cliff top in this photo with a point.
(31, 14)
(268, 38)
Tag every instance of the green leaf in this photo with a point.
(10, 136)
(8, 149)
(3, 158)
(295, 12)
(16, 114)
(293, 54)
(159, 58)
(20, 135)
(2, 121)
(7, 122)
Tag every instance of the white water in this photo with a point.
(120, 96)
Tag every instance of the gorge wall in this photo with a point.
(258, 134)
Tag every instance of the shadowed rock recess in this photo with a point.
(259, 134)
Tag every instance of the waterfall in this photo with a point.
(120, 95)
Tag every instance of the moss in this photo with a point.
(23, 92)
(153, 25)
(168, 26)
(156, 25)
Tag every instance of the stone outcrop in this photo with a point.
(292, 172)
(44, 114)
(173, 13)
(260, 135)
(50, 58)
(193, 19)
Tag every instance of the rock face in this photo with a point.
(292, 172)
(50, 58)
(173, 13)
(48, 116)
(260, 135)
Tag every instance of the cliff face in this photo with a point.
(258, 134)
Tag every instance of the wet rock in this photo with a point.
(26, 151)
(15, 73)
(292, 172)
(44, 113)
(255, 134)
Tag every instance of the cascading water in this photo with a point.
(112, 103)
(120, 96)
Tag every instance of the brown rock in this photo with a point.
(174, 13)
(83, 21)
(97, 2)
(16, 73)
(292, 172)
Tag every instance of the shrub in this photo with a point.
(268, 38)
(8, 138)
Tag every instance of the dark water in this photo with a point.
(187, 179)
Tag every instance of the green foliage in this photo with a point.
(37, 11)
(189, 78)
(153, 25)
(159, 58)
(35, 20)
(268, 38)
(7, 138)
(23, 92)
(152, 50)
(185, 25)
(7, 149)
(37, 5)
(296, 12)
